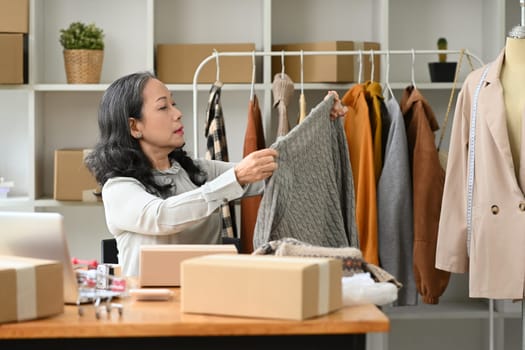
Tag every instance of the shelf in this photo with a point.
(229, 87)
(47, 203)
(443, 310)
(70, 87)
(23, 87)
(15, 202)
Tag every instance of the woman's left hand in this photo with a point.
(338, 110)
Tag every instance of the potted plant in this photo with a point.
(83, 46)
(442, 71)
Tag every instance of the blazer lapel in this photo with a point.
(491, 106)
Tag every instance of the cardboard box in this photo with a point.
(327, 68)
(73, 181)
(31, 288)
(159, 264)
(177, 63)
(317, 69)
(263, 286)
(14, 16)
(13, 59)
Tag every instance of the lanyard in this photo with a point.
(471, 156)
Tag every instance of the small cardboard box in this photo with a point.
(12, 59)
(263, 286)
(14, 16)
(73, 181)
(31, 288)
(328, 68)
(177, 63)
(317, 68)
(159, 264)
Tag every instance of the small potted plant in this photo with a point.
(442, 71)
(83, 46)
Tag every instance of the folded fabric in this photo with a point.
(352, 258)
(362, 289)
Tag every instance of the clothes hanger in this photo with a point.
(387, 75)
(372, 65)
(302, 72)
(302, 102)
(360, 66)
(252, 87)
(218, 68)
(282, 64)
(413, 64)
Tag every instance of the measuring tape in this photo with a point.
(471, 155)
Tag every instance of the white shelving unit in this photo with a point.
(48, 114)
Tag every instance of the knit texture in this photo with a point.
(351, 258)
(310, 196)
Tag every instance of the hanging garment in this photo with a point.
(374, 97)
(310, 197)
(428, 178)
(302, 108)
(217, 149)
(394, 205)
(497, 247)
(359, 139)
(282, 89)
(253, 141)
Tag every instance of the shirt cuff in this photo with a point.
(223, 188)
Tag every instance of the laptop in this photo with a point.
(39, 235)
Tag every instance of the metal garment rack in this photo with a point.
(253, 54)
(361, 54)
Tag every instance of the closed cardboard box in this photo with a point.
(317, 68)
(12, 59)
(30, 288)
(262, 286)
(177, 63)
(159, 264)
(328, 68)
(14, 16)
(73, 181)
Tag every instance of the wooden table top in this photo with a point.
(163, 318)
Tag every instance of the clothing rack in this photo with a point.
(360, 53)
(254, 54)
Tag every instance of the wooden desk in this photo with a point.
(160, 323)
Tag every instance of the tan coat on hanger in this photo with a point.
(497, 256)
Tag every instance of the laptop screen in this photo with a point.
(39, 235)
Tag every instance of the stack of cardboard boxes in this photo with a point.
(14, 19)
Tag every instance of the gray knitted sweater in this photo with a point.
(310, 197)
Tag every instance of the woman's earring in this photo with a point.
(139, 135)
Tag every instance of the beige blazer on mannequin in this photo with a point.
(496, 263)
(513, 82)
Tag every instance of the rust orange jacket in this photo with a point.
(359, 137)
(428, 178)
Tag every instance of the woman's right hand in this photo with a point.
(256, 166)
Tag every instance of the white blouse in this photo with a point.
(190, 216)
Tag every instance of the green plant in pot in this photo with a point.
(83, 46)
(442, 71)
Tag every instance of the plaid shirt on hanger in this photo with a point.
(217, 149)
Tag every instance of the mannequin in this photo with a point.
(513, 82)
